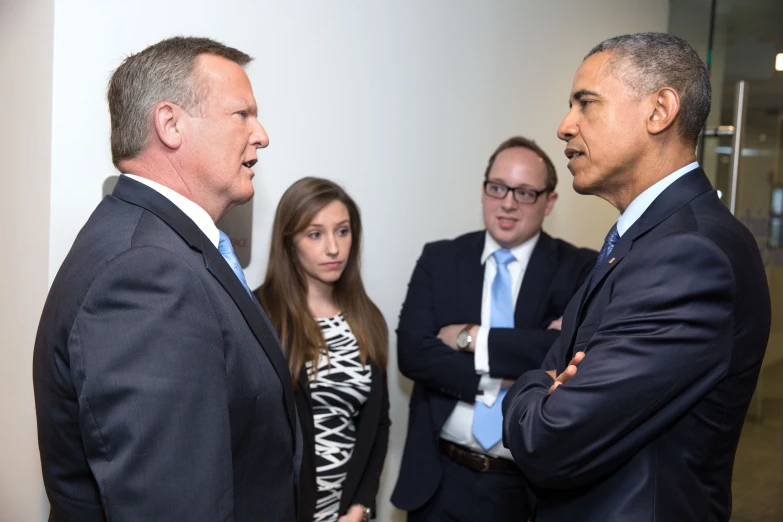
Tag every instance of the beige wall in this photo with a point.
(26, 36)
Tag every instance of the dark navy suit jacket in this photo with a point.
(161, 391)
(446, 288)
(674, 326)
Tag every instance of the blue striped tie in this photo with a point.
(488, 421)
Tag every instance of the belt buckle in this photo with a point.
(484, 463)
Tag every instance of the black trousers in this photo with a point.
(465, 495)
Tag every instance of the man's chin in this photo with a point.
(584, 187)
(246, 197)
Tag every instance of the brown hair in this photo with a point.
(519, 141)
(161, 72)
(284, 291)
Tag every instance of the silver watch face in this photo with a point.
(463, 339)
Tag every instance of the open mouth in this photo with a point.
(249, 164)
(506, 223)
(572, 153)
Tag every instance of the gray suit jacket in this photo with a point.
(161, 391)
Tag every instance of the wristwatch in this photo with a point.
(366, 512)
(464, 338)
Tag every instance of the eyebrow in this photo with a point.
(581, 93)
(244, 105)
(319, 225)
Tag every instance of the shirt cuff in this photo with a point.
(491, 387)
(481, 351)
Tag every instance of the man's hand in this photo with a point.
(448, 335)
(569, 372)
(557, 324)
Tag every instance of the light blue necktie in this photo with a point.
(488, 421)
(227, 251)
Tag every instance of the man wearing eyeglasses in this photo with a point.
(481, 310)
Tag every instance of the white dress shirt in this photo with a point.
(645, 199)
(192, 210)
(459, 426)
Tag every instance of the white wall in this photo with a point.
(26, 33)
(400, 102)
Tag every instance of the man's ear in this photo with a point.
(666, 107)
(550, 203)
(166, 116)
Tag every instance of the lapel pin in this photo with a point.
(611, 261)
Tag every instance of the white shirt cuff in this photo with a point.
(491, 387)
(481, 351)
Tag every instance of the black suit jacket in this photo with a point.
(366, 464)
(161, 391)
(674, 326)
(446, 288)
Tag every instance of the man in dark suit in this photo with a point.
(161, 391)
(660, 352)
(481, 310)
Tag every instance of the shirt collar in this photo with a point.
(645, 199)
(191, 209)
(521, 252)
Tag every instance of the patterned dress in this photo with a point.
(338, 393)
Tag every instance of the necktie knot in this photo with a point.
(503, 257)
(224, 245)
(612, 236)
(227, 251)
(611, 240)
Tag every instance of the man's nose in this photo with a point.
(509, 202)
(568, 128)
(259, 138)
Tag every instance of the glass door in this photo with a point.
(740, 150)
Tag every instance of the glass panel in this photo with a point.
(741, 43)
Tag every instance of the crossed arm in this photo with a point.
(663, 343)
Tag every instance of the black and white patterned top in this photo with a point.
(337, 394)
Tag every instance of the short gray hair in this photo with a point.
(647, 62)
(161, 72)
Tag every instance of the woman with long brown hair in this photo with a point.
(336, 342)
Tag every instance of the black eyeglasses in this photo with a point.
(526, 195)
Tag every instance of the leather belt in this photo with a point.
(473, 460)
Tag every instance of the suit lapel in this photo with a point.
(470, 280)
(538, 274)
(139, 194)
(677, 195)
(252, 313)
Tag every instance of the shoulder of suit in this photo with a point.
(566, 249)
(463, 242)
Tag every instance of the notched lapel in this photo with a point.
(599, 273)
(141, 195)
(218, 267)
(539, 272)
(470, 282)
(676, 195)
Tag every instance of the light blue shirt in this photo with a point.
(645, 199)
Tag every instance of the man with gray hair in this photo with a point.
(637, 411)
(161, 390)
